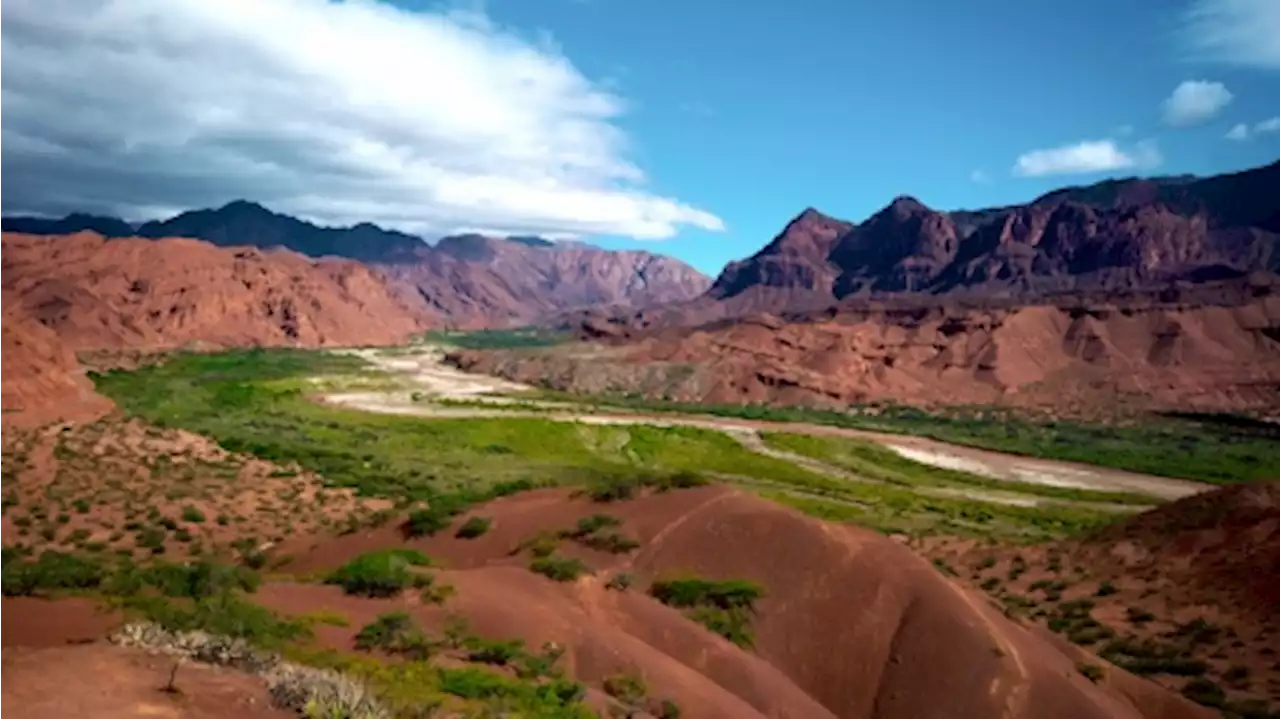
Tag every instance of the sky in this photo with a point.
(695, 128)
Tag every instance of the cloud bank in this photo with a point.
(1236, 32)
(1088, 156)
(337, 112)
(1195, 102)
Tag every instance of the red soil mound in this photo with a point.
(107, 682)
(852, 625)
(1069, 358)
(65, 294)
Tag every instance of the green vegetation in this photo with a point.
(384, 573)
(253, 402)
(1207, 448)
(179, 597)
(560, 569)
(497, 339)
(589, 532)
(724, 607)
(395, 633)
(474, 527)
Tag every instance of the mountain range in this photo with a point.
(1116, 235)
(464, 281)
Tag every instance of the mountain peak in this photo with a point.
(244, 207)
(908, 205)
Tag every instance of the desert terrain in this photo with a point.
(243, 476)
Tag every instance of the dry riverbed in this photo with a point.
(427, 381)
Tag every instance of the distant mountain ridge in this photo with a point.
(470, 280)
(1114, 235)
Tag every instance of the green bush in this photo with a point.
(395, 632)
(611, 542)
(474, 527)
(593, 524)
(561, 569)
(53, 571)
(1106, 589)
(626, 688)
(192, 514)
(499, 652)
(724, 607)
(225, 614)
(692, 592)
(382, 573)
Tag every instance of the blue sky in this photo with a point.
(691, 127)
(755, 110)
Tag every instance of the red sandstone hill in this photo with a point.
(1214, 348)
(475, 281)
(68, 294)
(469, 280)
(852, 624)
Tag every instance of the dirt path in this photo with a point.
(435, 381)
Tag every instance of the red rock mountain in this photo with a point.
(1211, 347)
(475, 281)
(67, 294)
(468, 280)
(1120, 235)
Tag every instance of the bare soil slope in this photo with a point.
(41, 379)
(1072, 357)
(65, 294)
(1186, 591)
(107, 682)
(852, 625)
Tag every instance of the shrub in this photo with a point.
(499, 652)
(52, 571)
(1092, 672)
(380, 574)
(668, 709)
(613, 489)
(690, 592)
(474, 527)
(620, 582)
(1204, 691)
(593, 524)
(385, 632)
(560, 569)
(192, 514)
(612, 542)
(1105, 589)
(724, 607)
(1138, 616)
(626, 688)
(438, 515)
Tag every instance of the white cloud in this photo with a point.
(337, 112)
(1269, 125)
(1086, 157)
(1237, 32)
(1194, 102)
(1242, 131)
(979, 176)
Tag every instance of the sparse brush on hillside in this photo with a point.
(384, 573)
(724, 607)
